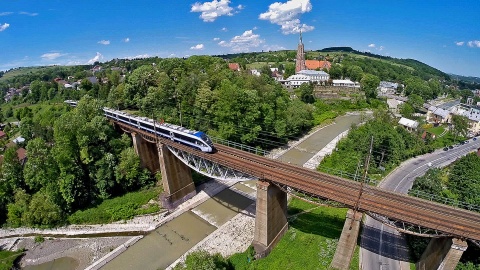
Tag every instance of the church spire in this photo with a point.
(300, 59)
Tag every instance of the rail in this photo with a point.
(443, 200)
(240, 146)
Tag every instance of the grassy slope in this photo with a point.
(309, 243)
(7, 258)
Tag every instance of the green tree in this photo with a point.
(40, 169)
(42, 211)
(406, 110)
(416, 101)
(464, 179)
(369, 84)
(12, 171)
(202, 260)
(128, 170)
(460, 125)
(18, 208)
(306, 93)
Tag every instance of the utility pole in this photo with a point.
(367, 163)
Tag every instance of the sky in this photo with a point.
(443, 34)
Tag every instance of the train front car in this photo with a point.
(207, 144)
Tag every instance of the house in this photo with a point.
(18, 140)
(3, 135)
(315, 76)
(96, 68)
(93, 79)
(296, 80)
(234, 66)
(255, 72)
(22, 155)
(345, 83)
(438, 115)
(387, 88)
(277, 75)
(317, 65)
(393, 105)
(408, 123)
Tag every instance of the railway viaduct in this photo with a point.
(453, 226)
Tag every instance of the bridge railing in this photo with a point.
(240, 146)
(443, 200)
(347, 175)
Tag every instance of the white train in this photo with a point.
(193, 138)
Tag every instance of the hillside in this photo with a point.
(400, 69)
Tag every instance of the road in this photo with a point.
(382, 247)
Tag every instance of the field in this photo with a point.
(309, 243)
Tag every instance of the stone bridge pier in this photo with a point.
(270, 219)
(442, 254)
(176, 176)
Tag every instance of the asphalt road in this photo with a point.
(382, 247)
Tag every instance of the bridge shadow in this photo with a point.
(392, 246)
(228, 198)
(323, 224)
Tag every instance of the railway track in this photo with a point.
(456, 212)
(457, 222)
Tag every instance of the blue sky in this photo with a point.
(443, 34)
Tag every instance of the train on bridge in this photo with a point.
(192, 138)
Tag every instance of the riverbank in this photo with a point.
(70, 241)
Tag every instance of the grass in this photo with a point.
(436, 130)
(309, 243)
(7, 258)
(119, 208)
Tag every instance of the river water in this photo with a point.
(160, 248)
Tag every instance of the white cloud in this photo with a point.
(5, 13)
(97, 58)
(4, 26)
(459, 43)
(216, 39)
(224, 29)
(287, 15)
(381, 48)
(126, 40)
(240, 7)
(371, 45)
(52, 56)
(28, 13)
(140, 56)
(273, 48)
(210, 11)
(197, 47)
(244, 42)
(104, 42)
(474, 43)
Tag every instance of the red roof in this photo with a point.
(21, 153)
(316, 64)
(2, 134)
(234, 66)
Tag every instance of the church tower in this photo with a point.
(300, 63)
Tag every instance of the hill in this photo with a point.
(385, 67)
